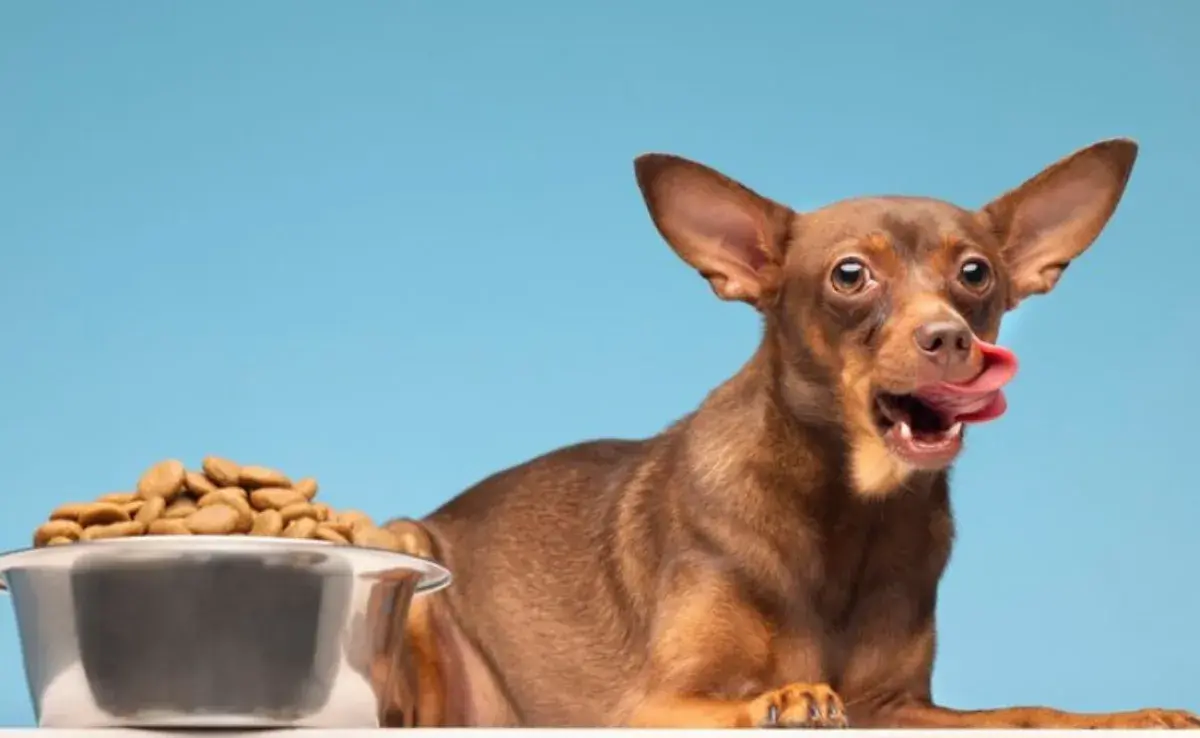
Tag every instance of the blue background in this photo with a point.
(398, 246)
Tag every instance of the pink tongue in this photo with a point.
(980, 399)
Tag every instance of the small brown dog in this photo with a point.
(773, 558)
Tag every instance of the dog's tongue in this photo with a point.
(980, 399)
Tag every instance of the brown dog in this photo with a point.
(773, 558)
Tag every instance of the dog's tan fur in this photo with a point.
(767, 560)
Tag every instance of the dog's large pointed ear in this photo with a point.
(733, 236)
(1054, 217)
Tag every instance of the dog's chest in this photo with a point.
(869, 591)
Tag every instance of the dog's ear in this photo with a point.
(1054, 217)
(733, 236)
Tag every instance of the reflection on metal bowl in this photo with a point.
(215, 631)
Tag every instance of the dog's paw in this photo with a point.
(1151, 718)
(412, 538)
(799, 706)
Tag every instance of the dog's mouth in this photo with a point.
(925, 427)
(918, 431)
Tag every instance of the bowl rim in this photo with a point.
(367, 561)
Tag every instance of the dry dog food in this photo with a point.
(223, 498)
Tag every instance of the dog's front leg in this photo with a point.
(901, 697)
(916, 715)
(711, 665)
(793, 706)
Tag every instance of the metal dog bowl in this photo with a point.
(215, 631)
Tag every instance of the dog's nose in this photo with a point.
(944, 342)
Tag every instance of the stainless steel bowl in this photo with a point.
(215, 631)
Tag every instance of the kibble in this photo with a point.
(222, 472)
(214, 520)
(253, 477)
(164, 479)
(151, 510)
(119, 498)
(298, 510)
(300, 528)
(125, 529)
(168, 527)
(180, 509)
(274, 498)
(306, 487)
(237, 492)
(235, 499)
(222, 498)
(224, 495)
(69, 511)
(57, 530)
(325, 532)
(352, 518)
(198, 484)
(102, 513)
(338, 527)
(267, 523)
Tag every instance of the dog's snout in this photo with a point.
(944, 342)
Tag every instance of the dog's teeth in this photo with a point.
(905, 431)
(954, 430)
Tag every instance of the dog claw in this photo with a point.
(773, 715)
(800, 706)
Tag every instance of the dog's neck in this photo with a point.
(774, 422)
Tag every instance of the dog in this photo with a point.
(773, 558)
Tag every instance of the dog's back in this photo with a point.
(550, 602)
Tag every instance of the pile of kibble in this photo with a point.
(224, 499)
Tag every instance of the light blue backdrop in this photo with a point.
(398, 246)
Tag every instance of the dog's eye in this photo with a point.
(850, 276)
(975, 274)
